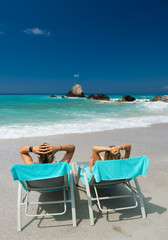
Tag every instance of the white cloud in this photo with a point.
(1, 33)
(166, 87)
(36, 31)
(76, 75)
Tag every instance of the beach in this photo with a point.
(151, 141)
(84, 74)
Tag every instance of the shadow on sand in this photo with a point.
(82, 212)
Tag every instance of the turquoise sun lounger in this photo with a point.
(109, 173)
(44, 178)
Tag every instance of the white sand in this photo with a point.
(152, 142)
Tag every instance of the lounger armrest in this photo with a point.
(84, 174)
(76, 173)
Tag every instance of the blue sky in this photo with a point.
(110, 46)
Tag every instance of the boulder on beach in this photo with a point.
(99, 96)
(76, 91)
(128, 98)
(159, 98)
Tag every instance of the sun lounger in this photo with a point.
(44, 178)
(109, 173)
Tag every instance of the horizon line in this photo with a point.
(51, 93)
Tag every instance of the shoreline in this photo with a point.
(85, 133)
(155, 136)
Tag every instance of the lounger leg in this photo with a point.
(89, 198)
(72, 200)
(19, 207)
(90, 206)
(140, 198)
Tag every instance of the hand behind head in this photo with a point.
(114, 150)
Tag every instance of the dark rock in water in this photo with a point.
(165, 98)
(62, 97)
(101, 96)
(156, 98)
(128, 98)
(76, 91)
(53, 96)
(159, 98)
(91, 96)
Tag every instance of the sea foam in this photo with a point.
(31, 116)
(33, 130)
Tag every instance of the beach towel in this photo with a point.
(117, 169)
(24, 172)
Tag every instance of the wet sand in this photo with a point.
(127, 224)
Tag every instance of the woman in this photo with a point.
(45, 153)
(111, 153)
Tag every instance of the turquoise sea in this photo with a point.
(41, 115)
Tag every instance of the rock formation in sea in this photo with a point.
(91, 96)
(76, 91)
(99, 96)
(156, 98)
(128, 98)
(159, 98)
(53, 96)
(165, 98)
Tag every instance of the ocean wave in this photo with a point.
(137, 100)
(156, 106)
(32, 130)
